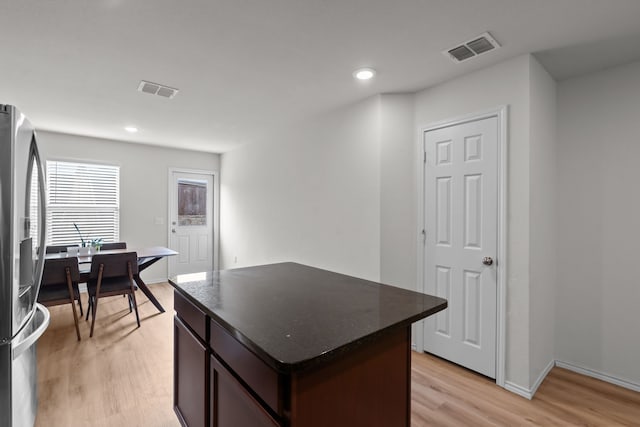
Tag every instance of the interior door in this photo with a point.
(461, 205)
(191, 222)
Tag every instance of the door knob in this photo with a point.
(173, 230)
(487, 260)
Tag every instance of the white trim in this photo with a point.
(598, 375)
(529, 393)
(542, 376)
(84, 160)
(83, 286)
(216, 207)
(155, 281)
(501, 112)
(519, 390)
(66, 203)
(465, 118)
(501, 264)
(420, 244)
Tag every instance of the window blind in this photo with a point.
(87, 195)
(34, 209)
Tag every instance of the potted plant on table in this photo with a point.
(86, 244)
(96, 244)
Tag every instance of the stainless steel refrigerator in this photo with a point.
(22, 231)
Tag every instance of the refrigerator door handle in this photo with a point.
(23, 345)
(43, 214)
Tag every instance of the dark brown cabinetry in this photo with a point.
(231, 403)
(223, 384)
(190, 376)
(206, 393)
(262, 347)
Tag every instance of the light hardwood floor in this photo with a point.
(122, 377)
(444, 394)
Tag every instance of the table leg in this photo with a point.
(145, 290)
(145, 263)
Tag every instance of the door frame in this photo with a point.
(215, 207)
(501, 113)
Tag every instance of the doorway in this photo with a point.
(192, 221)
(463, 250)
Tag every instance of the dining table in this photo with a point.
(147, 256)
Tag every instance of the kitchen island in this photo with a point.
(291, 345)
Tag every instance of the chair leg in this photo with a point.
(72, 300)
(90, 304)
(135, 306)
(80, 304)
(94, 310)
(130, 303)
(75, 318)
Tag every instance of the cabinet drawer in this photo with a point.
(231, 403)
(190, 381)
(190, 315)
(263, 380)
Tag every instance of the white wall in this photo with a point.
(599, 222)
(312, 196)
(398, 168)
(543, 261)
(504, 84)
(143, 183)
(397, 191)
(340, 191)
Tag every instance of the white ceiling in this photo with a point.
(246, 68)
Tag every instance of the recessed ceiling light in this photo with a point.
(364, 73)
(131, 129)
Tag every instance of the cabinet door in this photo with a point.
(231, 403)
(189, 377)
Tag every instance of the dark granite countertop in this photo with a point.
(295, 316)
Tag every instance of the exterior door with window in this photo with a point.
(461, 208)
(191, 222)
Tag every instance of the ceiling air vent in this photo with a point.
(157, 89)
(474, 47)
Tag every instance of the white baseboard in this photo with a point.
(529, 393)
(154, 281)
(519, 390)
(542, 376)
(526, 392)
(83, 286)
(599, 375)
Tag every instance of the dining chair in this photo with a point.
(110, 275)
(117, 245)
(56, 249)
(109, 246)
(59, 285)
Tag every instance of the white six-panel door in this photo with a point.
(461, 200)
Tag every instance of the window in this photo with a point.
(84, 194)
(34, 208)
(192, 202)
